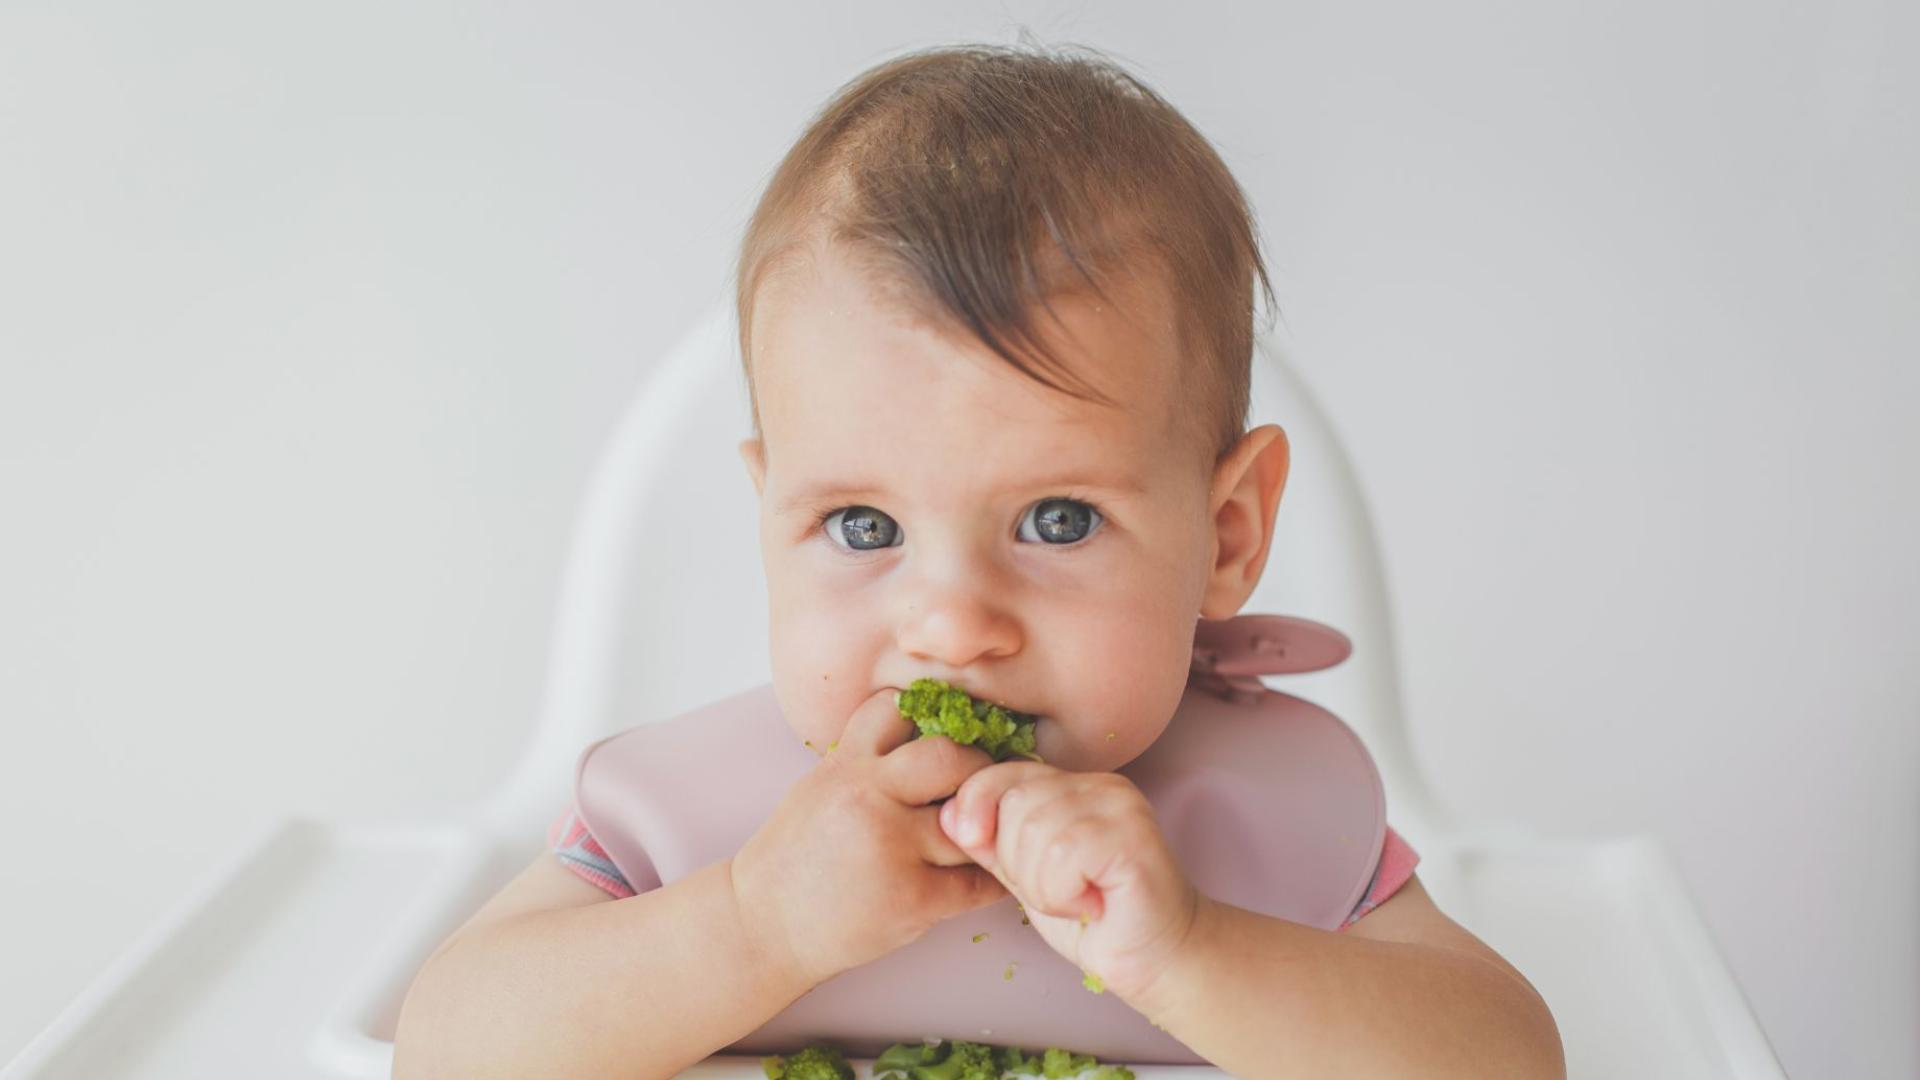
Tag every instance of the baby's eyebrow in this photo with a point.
(814, 494)
(818, 492)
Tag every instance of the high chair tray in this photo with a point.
(292, 959)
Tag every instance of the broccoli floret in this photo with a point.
(905, 1059)
(958, 1059)
(1060, 1063)
(939, 709)
(1018, 1061)
(816, 1062)
(954, 1059)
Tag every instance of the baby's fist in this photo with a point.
(1084, 855)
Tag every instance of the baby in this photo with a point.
(996, 316)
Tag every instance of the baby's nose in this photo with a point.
(955, 628)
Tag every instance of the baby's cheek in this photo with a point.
(819, 669)
(1135, 702)
(809, 689)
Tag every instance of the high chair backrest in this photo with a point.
(663, 597)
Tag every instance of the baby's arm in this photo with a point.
(547, 980)
(1405, 991)
(552, 978)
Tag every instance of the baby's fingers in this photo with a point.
(1070, 863)
(876, 727)
(973, 815)
(963, 888)
(929, 768)
(932, 842)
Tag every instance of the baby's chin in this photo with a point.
(1075, 750)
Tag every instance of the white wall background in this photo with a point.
(312, 320)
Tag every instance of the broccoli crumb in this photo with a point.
(1111, 735)
(936, 708)
(817, 1062)
(1093, 982)
(979, 937)
(1010, 966)
(958, 1059)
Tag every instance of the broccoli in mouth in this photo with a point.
(939, 709)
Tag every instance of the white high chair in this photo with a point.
(292, 960)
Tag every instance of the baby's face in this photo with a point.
(928, 510)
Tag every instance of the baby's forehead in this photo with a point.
(838, 347)
(829, 452)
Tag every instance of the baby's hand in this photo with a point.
(853, 863)
(1073, 844)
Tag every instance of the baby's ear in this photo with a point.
(1246, 491)
(754, 453)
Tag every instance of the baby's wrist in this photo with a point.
(1159, 985)
(761, 931)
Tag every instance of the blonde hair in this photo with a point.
(969, 178)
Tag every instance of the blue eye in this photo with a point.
(862, 528)
(1061, 521)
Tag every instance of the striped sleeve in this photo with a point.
(1397, 860)
(581, 853)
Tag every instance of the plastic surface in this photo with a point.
(291, 959)
(291, 962)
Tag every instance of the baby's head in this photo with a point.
(996, 316)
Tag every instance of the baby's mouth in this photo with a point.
(1022, 714)
(940, 708)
